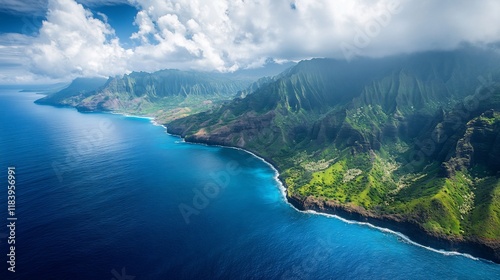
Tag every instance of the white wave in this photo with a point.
(129, 116)
(137, 117)
(403, 237)
(152, 119)
(155, 123)
(283, 192)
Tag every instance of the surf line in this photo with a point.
(282, 190)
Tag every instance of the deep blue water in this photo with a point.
(98, 193)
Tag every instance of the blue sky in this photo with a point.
(43, 41)
(119, 15)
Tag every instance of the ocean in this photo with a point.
(103, 196)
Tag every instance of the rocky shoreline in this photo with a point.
(398, 223)
(402, 225)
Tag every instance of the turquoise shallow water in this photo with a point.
(99, 197)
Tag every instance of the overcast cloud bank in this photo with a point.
(226, 35)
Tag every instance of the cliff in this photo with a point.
(408, 140)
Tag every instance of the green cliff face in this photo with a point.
(166, 94)
(414, 136)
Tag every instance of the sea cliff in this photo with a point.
(394, 222)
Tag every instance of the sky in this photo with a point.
(45, 41)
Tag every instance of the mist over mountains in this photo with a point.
(411, 138)
(165, 94)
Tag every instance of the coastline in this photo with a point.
(395, 224)
(410, 231)
(402, 227)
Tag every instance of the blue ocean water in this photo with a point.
(99, 197)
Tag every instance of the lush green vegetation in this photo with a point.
(413, 136)
(166, 94)
(395, 136)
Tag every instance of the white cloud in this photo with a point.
(221, 35)
(226, 35)
(99, 3)
(71, 42)
(443, 24)
(12, 58)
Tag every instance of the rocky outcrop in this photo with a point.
(479, 145)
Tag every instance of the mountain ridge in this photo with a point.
(392, 137)
(166, 94)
